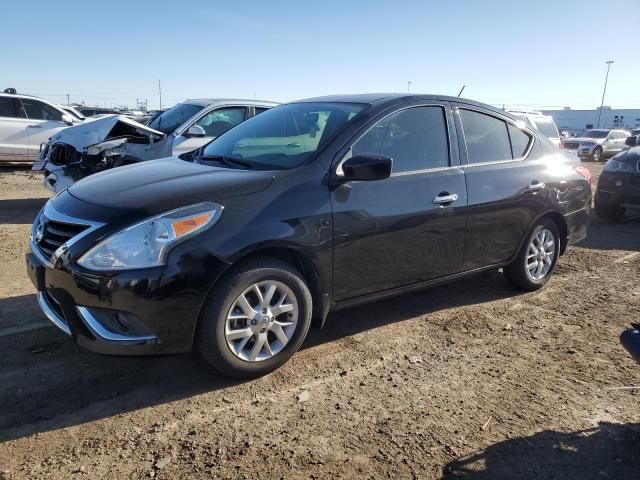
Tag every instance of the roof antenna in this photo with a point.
(461, 90)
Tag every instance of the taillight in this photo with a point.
(583, 172)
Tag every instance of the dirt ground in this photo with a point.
(507, 385)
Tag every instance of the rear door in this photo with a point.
(214, 123)
(393, 232)
(505, 184)
(44, 121)
(14, 145)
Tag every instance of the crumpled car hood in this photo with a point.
(165, 184)
(96, 130)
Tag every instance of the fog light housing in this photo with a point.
(115, 325)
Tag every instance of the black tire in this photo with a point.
(210, 336)
(597, 155)
(516, 272)
(608, 212)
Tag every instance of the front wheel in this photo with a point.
(256, 319)
(536, 261)
(597, 154)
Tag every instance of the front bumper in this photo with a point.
(137, 312)
(630, 340)
(619, 190)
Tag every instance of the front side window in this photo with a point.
(7, 108)
(216, 122)
(283, 137)
(415, 138)
(168, 121)
(37, 110)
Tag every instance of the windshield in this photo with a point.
(74, 113)
(174, 117)
(546, 127)
(283, 137)
(595, 134)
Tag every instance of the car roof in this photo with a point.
(20, 95)
(380, 99)
(205, 102)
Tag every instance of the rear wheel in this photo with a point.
(596, 156)
(536, 261)
(256, 319)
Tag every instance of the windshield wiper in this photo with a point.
(229, 161)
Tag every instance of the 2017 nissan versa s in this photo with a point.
(309, 207)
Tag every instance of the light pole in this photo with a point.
(409, 87)
(604, 90)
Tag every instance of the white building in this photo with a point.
(583, 119)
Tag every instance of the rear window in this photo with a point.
(546, 127)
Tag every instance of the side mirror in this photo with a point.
(631, 141)
(366, 167)
(195, 131)
(66, 118)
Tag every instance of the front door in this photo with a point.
(505, 183)
(410, 227)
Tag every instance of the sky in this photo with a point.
(538, 54)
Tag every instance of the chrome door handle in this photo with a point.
(34, 126)
(445, 199)
(535, 186)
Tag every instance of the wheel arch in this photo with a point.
(560, 222)
(302, 261)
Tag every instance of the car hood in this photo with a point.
(584, 140)
(165, 184)
(94, 131)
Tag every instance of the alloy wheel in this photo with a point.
(261, 321)
(540, 254)
(596, 155)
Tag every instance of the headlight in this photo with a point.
(146, 244)
(614, 165)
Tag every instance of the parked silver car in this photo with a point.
(104, 142)
(597, 144)
(26, 122)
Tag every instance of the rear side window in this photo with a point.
(415, 138)
(37, 110)
(259, 110)
(519, 141)
(7, 108)
(489, 139)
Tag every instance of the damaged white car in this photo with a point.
(114, 140)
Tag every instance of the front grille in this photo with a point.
(51, 234)
(571, 145)
(63, 154)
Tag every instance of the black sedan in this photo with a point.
(619, 184)
(310, 207)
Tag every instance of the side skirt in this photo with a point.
(394, 292)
